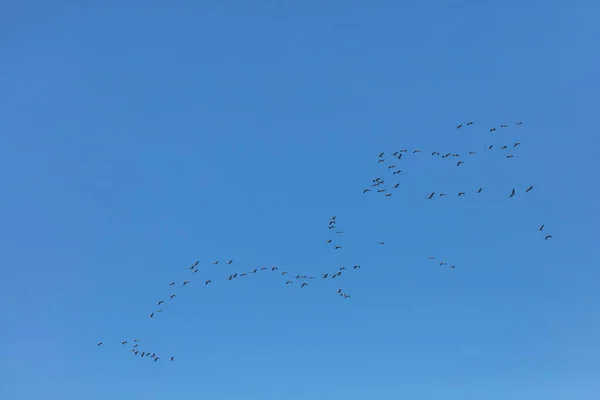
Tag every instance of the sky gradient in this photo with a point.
(137, 137)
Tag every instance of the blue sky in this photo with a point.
(137, 137)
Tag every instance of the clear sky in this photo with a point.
(137, 137)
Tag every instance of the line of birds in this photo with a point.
(480, 190)
(134, 349)
(491, 129)
(443, 262)
(399, 154)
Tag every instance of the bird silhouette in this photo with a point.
(492, 129)
(512, 193)
(529, 189)
(479, 191)
(459, 126)
(541, 228)
(548, 237)
(460, 162)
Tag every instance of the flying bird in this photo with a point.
(171, 284)
(207, 282)
(391, 166)
(366, 190)
(459, 126)
(541, 228)
(416, 151)
(529, 189)
(151, 315)
(397, 172)
(172, 359)
(479, 191)
(510, 156)
(430, 196)
(356, 266)
(516, 144)
(503, 147)
(461, 193)
(380, 155)
(519, 123)
(100, 344)
(381, 242)
(160, 302)
(185, 283)
(304, 284)
(338, 247)
(548, 237)
(396, 185)
(512, 193)
(490, 146)
(492, 129)
(328, 241)
(503, 126)
(472, 152)
(230, 262)
(460, 162)
(173, 296)
(470, 123)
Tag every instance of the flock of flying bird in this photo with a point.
(305, 279)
